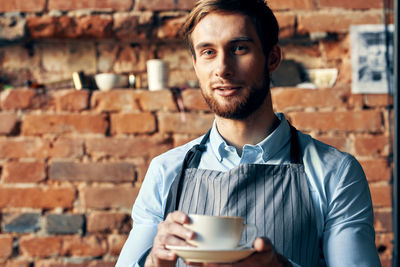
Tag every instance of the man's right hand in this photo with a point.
(170, 232)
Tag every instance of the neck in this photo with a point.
(250, 130)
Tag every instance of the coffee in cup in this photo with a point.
(218, 232)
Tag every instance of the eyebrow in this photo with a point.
(234, 40)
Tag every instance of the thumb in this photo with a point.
(262, 244)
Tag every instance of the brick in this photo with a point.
(115, 244)
(376, 169)
(114, 5)
(95, 26)
(384, 244)
(137, 146)
(60, 59)
(163, 5)
(18, 58)
(75, 263)
(65, 224)
(21, 222)
(191, 124)
(107, 52)
(6, 246)
(355, 4)
(181, 139)
(34, 124)
(383, 221)
(336, 50)
(37, 197)
(287, 24)
(114, 100)
(337, 142)
(65, 147)
(34, 246)
(8, 122)
(23, 6)
(378, 100)
(70, 27)
(170, 27)
(16, 263)
(182, 78)
(291, 4)
(309, 57)
(358, 121)
(335, 22)
(108, 197)
(102, 172)
(129, 123)
(16, 99)
(24, 148)
(59, 263)
(156, 100)
(193, 100)
(24, 172)
(107, 222)
(133, 26)
(371, 145)
(131, 59)
(87, 246)
(102, 264)
(295, 98)
(72, 100)
(178, 57)
(12, 28)
(381, 195)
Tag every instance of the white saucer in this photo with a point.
(193, 254)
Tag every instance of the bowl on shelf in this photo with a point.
(108, 81)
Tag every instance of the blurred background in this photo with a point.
(73, 157)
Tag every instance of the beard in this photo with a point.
(240, 107)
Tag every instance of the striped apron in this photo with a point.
(275, 198)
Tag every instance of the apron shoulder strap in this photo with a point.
(192, 160)
(295, 149)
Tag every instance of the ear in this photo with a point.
(274, 58)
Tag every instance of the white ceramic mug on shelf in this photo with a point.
(157, 74)
(219, 232)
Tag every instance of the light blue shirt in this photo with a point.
(337, 183)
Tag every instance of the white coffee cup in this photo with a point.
(218, 232)
(157, 74)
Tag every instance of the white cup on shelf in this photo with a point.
(157, 74)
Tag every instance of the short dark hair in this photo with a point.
(258, 11)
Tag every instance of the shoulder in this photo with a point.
(164, 168)
(318, 152)
(327, 167)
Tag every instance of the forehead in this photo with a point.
(217, 28)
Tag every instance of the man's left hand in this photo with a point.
(264, 256)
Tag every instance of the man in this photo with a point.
(310, 202)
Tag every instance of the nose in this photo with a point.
(224, 68)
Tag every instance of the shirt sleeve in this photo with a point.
(349, 236)
(147, 213)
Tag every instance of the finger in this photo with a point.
(178, 217)
(163, 254)
(262, 244)
(164, 240)
(166, 229)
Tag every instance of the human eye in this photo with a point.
(240, 49)
(207, 53)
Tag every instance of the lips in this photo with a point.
(226, 90)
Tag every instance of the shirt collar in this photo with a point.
(271, 145)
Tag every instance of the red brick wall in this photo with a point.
(72, 162)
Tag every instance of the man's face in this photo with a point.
(230, 64)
